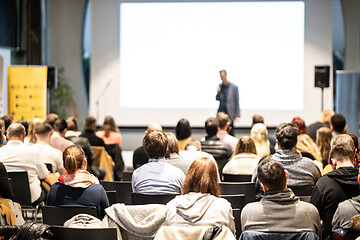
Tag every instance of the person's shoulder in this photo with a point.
(173, 168)
(251, 207)
(96, 187)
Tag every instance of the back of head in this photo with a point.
(110, 122)
(342, 153)
(42, 129)
(343, 139)
(90, 123)
(271, 173)
(173, 146)
(15, 131)
(25, 124)
(338, 123)
(155, 144)
(202, 177)
(183, 129)
(286, 135)
(245, 145)
(154, 127)
(211, 126)
(326, 116)
(257, 119)
(51, 119)
(193, 143)
(259, 132)
(223, 119)
(60, 125)
(300, 124)
(8, 121)
(73, 157)
(31, 133)
(72, 124)
(323, 142)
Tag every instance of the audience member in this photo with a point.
(300, 124)
(8, 121)
(10, 211)
(345, 211)
(57, 139)
(46, 153)
(307, 148)
(30, 137)
(173, 157)
(72, 129)
(260, 119)
(140, 157)
(200, 203)
(257, 119)
(279, 210)
(16, 156)
(338, 124)
(244, 159)
(193, 151)
(339, 184)
(357, 150)
(109, 132)
(3, 140)
(258, 134)
(25, 124)
(51, 119)
(221, 151)
(157, 176)
(324, 122)
(323, 140)
(77, 187)
(183, 133)
(302, 170)
(224, 129)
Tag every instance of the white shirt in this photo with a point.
(48, 154)
(16, 156)
(242, 163)
(226, 138)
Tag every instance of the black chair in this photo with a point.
(115, 152)
(21, 189)
(237, 177)
(345, 234)
(237, 200)
(49, 167)
(6, 232)
(61, 233)
(127, 176)
(302, 191)
(123, 190)
(111, 195)
(231, 188)
(140, 199)
(59, 215)
(237, 219)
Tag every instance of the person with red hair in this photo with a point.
(200, 203)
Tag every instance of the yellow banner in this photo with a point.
(27, 92)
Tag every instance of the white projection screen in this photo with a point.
(159, 61)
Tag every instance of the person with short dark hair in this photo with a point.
(200, 203)
(224, 129)
(339, 184)
(257, 119)
(323, 122)
(219, 150)
(89, 132)
(338, 124)
(47, 154)
(157, 176)
(279, 210)
(57, 139)
(51, 119)
(183, 133)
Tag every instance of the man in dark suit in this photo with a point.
(228, 96)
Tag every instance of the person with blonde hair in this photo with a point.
(258, 134)
(31, 138)
(244, 159)
(307, 147)
(323, 142)
(200, 203)
(77, 187)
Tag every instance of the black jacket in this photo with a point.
(331, 189)
(93, 139)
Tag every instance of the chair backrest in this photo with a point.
(237, 219)
(49, 167)
(115, 152)
(6, 232)
(59, 215)
(237, 200)
(139, 199)
(111, 195)
(61, 233)
(231, 188)
(127, 176)
(302, 190)
(21, 187)
(237, 177)
(254, 235)
(123, 190)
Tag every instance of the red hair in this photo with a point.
(300, 124)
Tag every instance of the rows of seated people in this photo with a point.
(322, 156)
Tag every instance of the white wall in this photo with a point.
(105, 70)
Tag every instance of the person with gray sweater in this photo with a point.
(279, 210)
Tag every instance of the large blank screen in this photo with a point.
(171, 54)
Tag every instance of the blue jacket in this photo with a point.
(232, 101)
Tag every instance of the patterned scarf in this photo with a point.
(81, 178)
